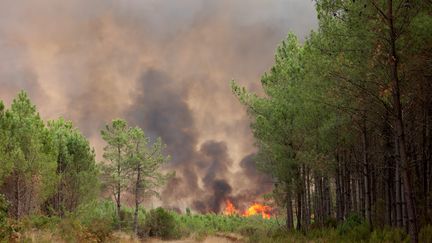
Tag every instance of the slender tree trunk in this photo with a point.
(318, 200)
(362, 193)
(339, 207)
(289, 211)
(118, 189)
(308, 198)
(299, 196)
(137, 200)
(366, 174)
(354, 196)
(399, 217)
(425, 166)
(406, 173)
(347, 185)
(17, 196)
(299, 210)
(327, 198)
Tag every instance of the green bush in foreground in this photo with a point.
(425, 234)
(159, 223)
(5, 228)
(389, 235)
(97, 222)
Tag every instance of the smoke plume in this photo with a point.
(163, 66)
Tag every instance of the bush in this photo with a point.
(354, 228)
(389, 235)
(425, 234)
(126, 218)
(41, 222)
(71, 230)
(101, 230)
(159, 223)
(5, 228)
(96, 210)
(330, 222)
(350, 223)
(96, 219)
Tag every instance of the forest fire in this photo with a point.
(230, 208)
(255, 209)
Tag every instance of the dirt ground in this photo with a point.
(210, 239)
(219, 238)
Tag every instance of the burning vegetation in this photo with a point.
(254, 209)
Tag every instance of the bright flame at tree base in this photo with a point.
(255, 209)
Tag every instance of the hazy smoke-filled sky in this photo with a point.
(164, 65)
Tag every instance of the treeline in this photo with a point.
(44, 168)
(345, 126)
(50, 168)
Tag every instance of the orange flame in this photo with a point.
(229, 208)
(258, 208)
(255, 209)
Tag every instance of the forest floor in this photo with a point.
(209, 239)
(218, 238)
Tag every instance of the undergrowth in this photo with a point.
(98, 222)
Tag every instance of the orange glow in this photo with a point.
(255, 209)
(258, 208)
(229, 208)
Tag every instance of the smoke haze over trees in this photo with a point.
(162, 65)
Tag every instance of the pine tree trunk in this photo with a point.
(289, 211)
(308, 198)
(347, 185)
(17, 196)
(327, 198)
(339, 208)
(398, 186)
(299, 210)
(366, 173)
(354, 196)
(137, 195)
(362, 192)
(318, 215)
(118, 189)
(405, 172)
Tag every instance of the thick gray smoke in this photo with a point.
(162, 65)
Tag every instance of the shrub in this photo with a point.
(97, 220)
(100, 230)
(96, 210)
(425, 234)
(359, 233)
(351, 222)
(354, 228)
(159, 223)
(41, 222)
(389, 235)
(330, 222)
(71, 230)
(5, 228)
(126, 218)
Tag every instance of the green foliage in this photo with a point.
(425, 234)
(96, 210)
(101, 229)
(5, 228)
(27, 157)
(354, 228)
(159, 223)
(40, 222)
(349, 223)
(76, 168)
(96, 220)
(115, 168)
(389, 235)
